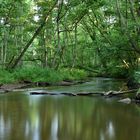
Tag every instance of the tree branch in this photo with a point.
(38, 30)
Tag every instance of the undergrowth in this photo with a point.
(37, 74)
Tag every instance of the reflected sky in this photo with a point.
(54, 128)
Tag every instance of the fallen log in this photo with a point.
(106, 94)
(115, 93)
(66, 93)
(89, 93)
(69, 94)
(51, 93)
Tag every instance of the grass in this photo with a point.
(37, 74)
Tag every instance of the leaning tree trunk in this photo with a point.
(38, 30)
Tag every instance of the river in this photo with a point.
(40, 117)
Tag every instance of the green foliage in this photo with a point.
(72, 74)
(117, 72)
(136, 75)
(37, 74)
(6, 77)
(102, 34)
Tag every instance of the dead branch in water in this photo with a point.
(107, 94)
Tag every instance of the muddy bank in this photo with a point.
(121, 95)
(11, 87)
(27, 84)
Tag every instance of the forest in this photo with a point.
(69, 69)
(55, 40)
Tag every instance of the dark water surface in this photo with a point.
(25, 117)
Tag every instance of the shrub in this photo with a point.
(73, 74)
(6, 77)
(37, 74)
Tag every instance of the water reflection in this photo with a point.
(110, 130)
(4, 126)
(97, 84)
(24, 117)
(54, 128)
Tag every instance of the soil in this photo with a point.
(28, 84)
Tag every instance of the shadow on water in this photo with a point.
(24, 117)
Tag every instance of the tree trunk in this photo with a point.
(38, 30)
(75, 47)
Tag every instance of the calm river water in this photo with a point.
(38, 117)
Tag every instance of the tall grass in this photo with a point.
(37, 74)
(6, 77)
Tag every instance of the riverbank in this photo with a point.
(122, 93)
(25, 85)
(40, 77)
(29, 77)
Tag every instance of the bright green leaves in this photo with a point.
(76, 32)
